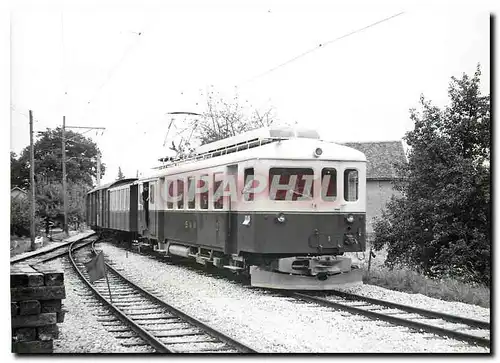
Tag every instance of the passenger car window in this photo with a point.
(170, 194)
(329, 184)
(203, 186)
(191, 201)
(350, 185)
(217, 191)
(180, 194)
(248, 188)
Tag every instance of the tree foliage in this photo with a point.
(222, 118)
(442, 222)
(120, 175)
(19, 174)
(20, 217)
(81, 159)
(50, 201)
(81, 167)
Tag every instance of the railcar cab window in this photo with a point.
(217, 191)
(291, 184)
(248, 179)
(180, 194)
(329, 184)
(152, 193)
(203, 188)
(191, 201)
(350, 185)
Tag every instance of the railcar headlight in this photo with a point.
(350, 218)
(317, 153)
(281, 218)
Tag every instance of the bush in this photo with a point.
(440, 226)
(20, 217)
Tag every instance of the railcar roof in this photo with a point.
(291, 149)
(283, 132)
(113, 184)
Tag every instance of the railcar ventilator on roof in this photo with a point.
(279, 204)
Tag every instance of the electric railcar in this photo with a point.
(277, 203)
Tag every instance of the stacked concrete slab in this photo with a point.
(36, 308)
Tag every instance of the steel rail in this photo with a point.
(176, 312)
(207, 329)
(146, 336)
(15, 260)
(63, 253)
(392, 319)
(412, 309)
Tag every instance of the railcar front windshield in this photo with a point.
(291, 184)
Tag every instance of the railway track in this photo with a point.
(151, 320)
(446, 325)
(60, 250)
(460, 328)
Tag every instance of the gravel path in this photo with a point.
(268, 323)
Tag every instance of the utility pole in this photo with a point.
(65, 191)
(32, 184)
(65, 194)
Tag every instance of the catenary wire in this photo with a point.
(322, 45)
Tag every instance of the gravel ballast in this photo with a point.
(270, 323)
(421, 301)
(81, 332)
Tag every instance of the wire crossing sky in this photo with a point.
(323, 45)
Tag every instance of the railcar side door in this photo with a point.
(142, 206)
(220, 209)
(230, 216)
(153, 210)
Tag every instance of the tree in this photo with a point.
(50, 201)
(222, 118)
(19, 174)
(81, 158)
(441, 224)
(81, 167)
(120, 174)
(20, 217)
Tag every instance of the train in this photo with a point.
(277, 204)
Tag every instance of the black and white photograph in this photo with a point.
(246, 178)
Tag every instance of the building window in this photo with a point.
(217, 191)
(329, 184)
(351, 185)
(191, 201)
(248, 179)
(291, 184)
(203, 188)
(180, 194)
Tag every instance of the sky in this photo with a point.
(123, 68)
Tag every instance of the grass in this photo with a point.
(20, 245)
(407, 280)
